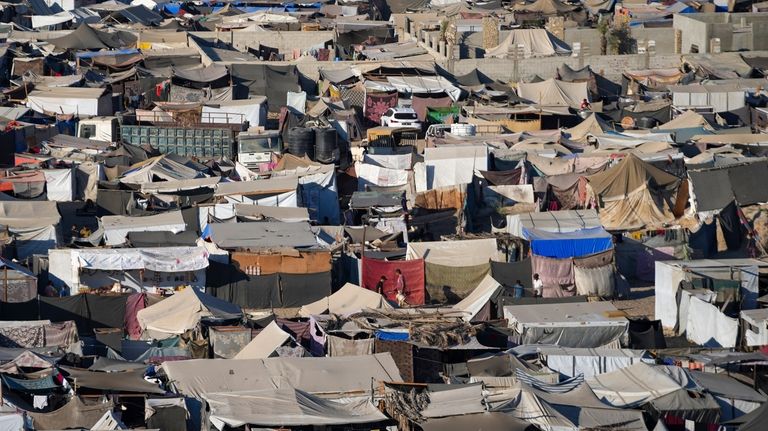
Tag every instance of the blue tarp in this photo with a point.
(564, 245)
(392, 335)
(92, 54)
(172, 8)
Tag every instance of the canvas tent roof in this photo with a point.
(536, 43)
(328, 375)
(553, 221)
(545, 7)
(256, 235)
(476, 300)
(160, 167)
(633, 386)
(349, 299)
(553, 92)
(592, 125)
(122, 381)
(183, 311)
(116, 228)
(284, 406)
(28, 214)
(455, 253)
(265, 343)
(477, 422)
(258, 187)
(686, 120)
(629, 175)
(87, 37)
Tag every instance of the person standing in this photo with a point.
(400, 287)
(518, 289)
(538, 286)
(380, 285)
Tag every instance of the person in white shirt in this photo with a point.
(538, 285)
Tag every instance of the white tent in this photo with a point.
(552, 221)
(451, 166)
(264, 344)
(633, 386)
(70, 100)
(59, 184)
(533, 42)
(117, 228)
(33, 225)
(347, 300)
(467, 252)
(475, 301)
(136, 268)
(553, 92)
(182, 312)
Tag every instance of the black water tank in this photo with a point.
(301, 142)
(646, 122)
(326, 144)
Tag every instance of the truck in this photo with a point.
(254, 148)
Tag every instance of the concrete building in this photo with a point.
(721, 32)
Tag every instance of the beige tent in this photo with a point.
(544, 7)
(686, 120)
(553, 92)
(535, 43)
(349, 299)
(634, 194)
(264, 344)
(593, 125)
(182, 312)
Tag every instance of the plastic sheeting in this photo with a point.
(413, 275)
(569, 244)
(451, 283)
(287, 407)
(70, 100)
(632, 386)
(347, 300)
(117, 228)
(452, 253)
(265, 343)
(707, 326)
(368, 174)
(595, 281)
(572, 362)
(59, 184)
(453, 166)
(536, 43)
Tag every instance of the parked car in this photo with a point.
(400, 117)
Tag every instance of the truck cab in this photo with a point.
(99, 129)
(254, 148)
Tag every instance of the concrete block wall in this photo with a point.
(612, 65)
(285, 41)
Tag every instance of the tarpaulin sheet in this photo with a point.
(134, 303)
(161, 259)
(267, 80)
(249, 291)
(595, 281)
(121, 381)
(536, 43)
(708, 326)
(74, 414)
(746, 183)
(378, 176)
(554, 93)
(503, 178)
(421, 103)
(451, 284)
(569, 244)
(41, 386)
(107, 311)
(265, 343)
(376, 104)
(712, 189)
(302, 289)
(556, 274)
(59, 184)
(452, 166)
(468, 252)
(67, 308)
(508, 273)
(413, 274)
(227, 341)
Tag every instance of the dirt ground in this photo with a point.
(641, 302)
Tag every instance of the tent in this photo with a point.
(330, 376)
(33, 225)
(161, 168)
(591, 126)
(117, 228)
(561, 245)
(535, 42)
(347, 300)
(262, 235)
(634, 194)
(265, 343)
(450, 166)
(544, 7)
(553, 92)
(87, 37)
(286, 407)
(182, 312)
(578, 324)
(571, 362)
(686, 120)
(633, 386)
(70, 100)
(455, 253)
(552, 221)
(136, 268)
(18, 284)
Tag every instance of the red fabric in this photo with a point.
(377, 104)
(136, 302)
(413, 273)
(21, 160)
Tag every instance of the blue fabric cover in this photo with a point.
(561, 245)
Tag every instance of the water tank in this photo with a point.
(646, 122)
(326, 144)
(463, 129)
(301, 142)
